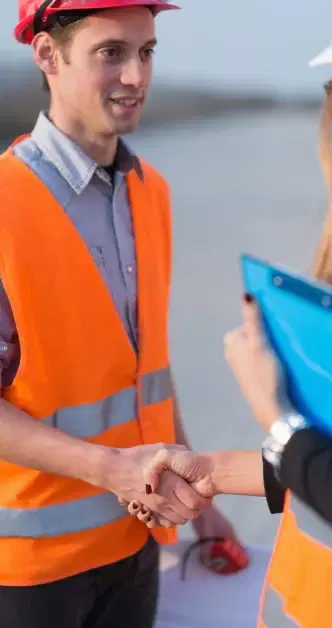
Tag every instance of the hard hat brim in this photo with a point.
(23, 31)
(324, 58)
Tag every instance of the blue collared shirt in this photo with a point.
(98, 206)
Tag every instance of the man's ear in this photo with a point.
(45, 53)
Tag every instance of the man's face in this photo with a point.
(107, 71)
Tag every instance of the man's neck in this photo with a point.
(100, 148)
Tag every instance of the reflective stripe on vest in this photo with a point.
(84, 421)
(73, 516)
(91, 419)
(311, 523)
(273, 613)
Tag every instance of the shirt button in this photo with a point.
(129, 269)
(3, 347)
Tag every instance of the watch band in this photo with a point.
(280, 433)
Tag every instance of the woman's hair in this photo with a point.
(323, 259)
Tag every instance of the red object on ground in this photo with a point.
(227, 557)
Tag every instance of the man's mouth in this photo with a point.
(128, 103)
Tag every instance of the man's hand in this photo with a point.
(174, 501)
(197, 469)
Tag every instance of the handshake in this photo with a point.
(163, 485)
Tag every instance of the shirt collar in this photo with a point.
(74, 165)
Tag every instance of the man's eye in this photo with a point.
(111, 53)
(148, 52)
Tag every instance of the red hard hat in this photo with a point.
(24, 32)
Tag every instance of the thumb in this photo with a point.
(159, 463)
(251, 321)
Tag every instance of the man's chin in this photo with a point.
(128, 126)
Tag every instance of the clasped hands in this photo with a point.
(180, 486)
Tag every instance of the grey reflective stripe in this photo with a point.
(91, 419)
(74, 516)
(85, 421)
(156, 386)
(311, 523)
(273, 614)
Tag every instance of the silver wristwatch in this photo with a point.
(280, 433)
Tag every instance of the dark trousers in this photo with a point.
(122, 595)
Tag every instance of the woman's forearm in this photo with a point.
(237, 472)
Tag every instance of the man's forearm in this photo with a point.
(237, 472)
(30, 443)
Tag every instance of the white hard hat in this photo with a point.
(324, 58)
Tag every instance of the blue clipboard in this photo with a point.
(297, 316)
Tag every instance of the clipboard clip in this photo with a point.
(302, 289)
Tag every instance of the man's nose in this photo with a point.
(133, 73)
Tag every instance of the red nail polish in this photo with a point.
(144, 511)
(149, 519)
(148, 489)
(248, 298)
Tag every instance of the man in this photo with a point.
(85, 264)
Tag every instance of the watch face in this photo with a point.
(296, 421)
(281, 432)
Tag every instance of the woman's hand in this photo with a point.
(254, 365)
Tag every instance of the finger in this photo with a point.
(158, 464)
(233, 336)
(251, 321)
(172, 507)
(144, 514)
(161, 461)
(190, 498)
(122, 501)
(134, 508)
(173, 514)
(152, 522)
(165, 523)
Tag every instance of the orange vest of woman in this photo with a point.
(79, 372)
(298, 589)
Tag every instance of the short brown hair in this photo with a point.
(63, 35)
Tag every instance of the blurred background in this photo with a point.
(232, 124)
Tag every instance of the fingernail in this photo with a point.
(149, 519)
(144, 511)
(248, 298)
(135, 506)
(148, 489)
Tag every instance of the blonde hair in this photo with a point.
(322, 267)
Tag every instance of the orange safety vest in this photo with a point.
(79, 372)
(298, 588)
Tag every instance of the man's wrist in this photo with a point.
(102, 467)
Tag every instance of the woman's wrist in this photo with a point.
(237, 472)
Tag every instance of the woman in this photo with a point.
(294, 472)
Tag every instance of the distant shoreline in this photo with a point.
(167, 106)
(21, 98)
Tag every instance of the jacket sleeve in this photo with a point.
(306, 469)
(274, 492)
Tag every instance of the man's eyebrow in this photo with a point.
(108, 43)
